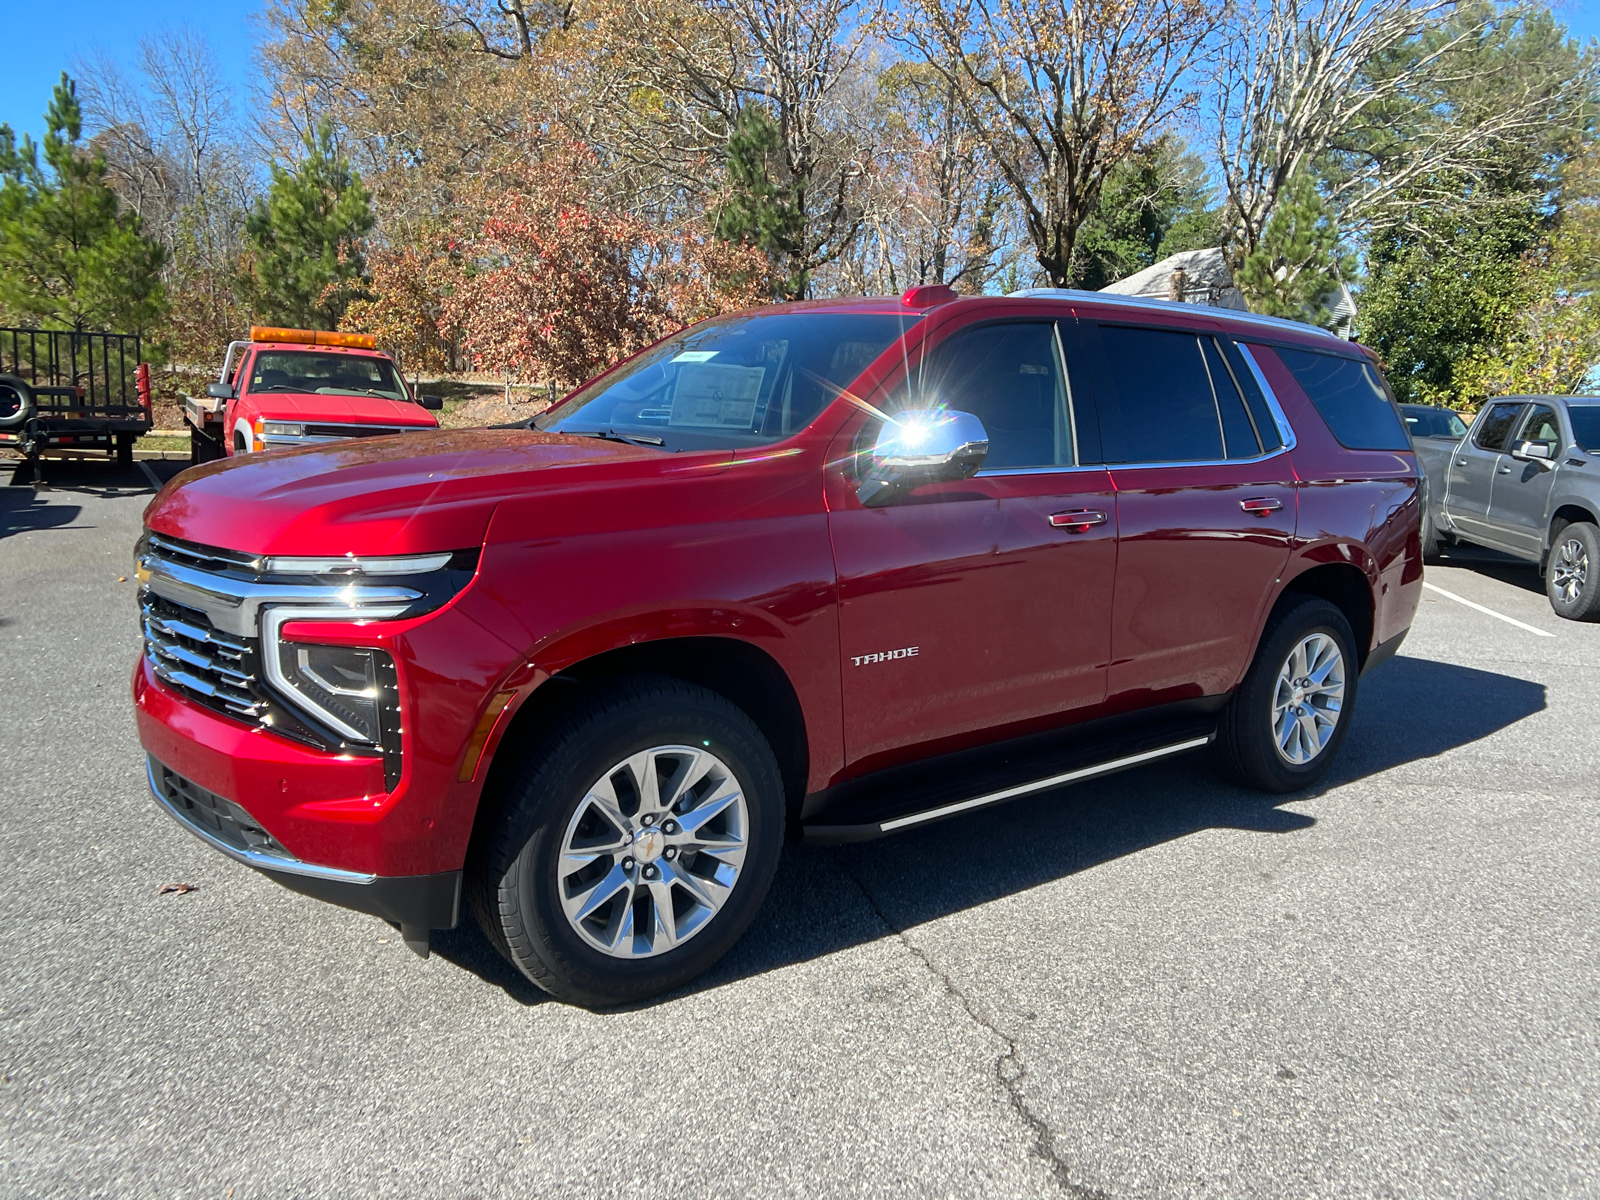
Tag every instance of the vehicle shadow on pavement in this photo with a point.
(1492, 563)
(827, 899)
(22, 509)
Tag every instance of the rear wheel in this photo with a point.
(1572, 576)
(1284, 725)
(635, 848)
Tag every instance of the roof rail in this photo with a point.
(1146, 302)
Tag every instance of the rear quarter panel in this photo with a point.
(1356, 506)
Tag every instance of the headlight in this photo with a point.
(340, 683)
(282, 429)
(353, 690)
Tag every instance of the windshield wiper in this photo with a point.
(633, 439)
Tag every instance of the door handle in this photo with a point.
(1261, 505)
(1078, 521)
(1503, 471)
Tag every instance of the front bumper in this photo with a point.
(414, 902)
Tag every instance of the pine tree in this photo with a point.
(306, 238)
(759, 212)
(68, 257)
(1297, 264)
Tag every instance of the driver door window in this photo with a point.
(1010, 378)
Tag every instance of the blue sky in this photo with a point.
(45, 38)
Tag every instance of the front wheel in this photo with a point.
(1431, 549)
(633, 851)
(1284, 725)
(1572, 576)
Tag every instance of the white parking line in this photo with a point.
(1489, 611)
(150, 475)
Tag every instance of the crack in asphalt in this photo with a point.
(1008, 1069)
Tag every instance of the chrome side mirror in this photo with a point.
(922, 445)
(219, 391)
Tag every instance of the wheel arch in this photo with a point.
(1345, 586)
(743, 674)
(1566, 514)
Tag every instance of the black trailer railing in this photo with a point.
(75, 375)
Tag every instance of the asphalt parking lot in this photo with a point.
(1151, 985)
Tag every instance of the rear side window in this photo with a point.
(1161, 407)
(1495, 424)
(1351, 399)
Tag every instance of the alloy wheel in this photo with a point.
(1569, 571)
(1308, 698)
(653, 851)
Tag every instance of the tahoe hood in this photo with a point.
(408, 494)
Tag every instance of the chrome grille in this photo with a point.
(360, 431)
(206, 557)
(187, 652)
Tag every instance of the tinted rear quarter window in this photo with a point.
(1350, 397)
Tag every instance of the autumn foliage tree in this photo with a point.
(553, 287)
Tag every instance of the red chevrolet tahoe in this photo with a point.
(825, 570)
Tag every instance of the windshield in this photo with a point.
(1425, 421)
(731, 382)
(1586, 426)
(325, 374)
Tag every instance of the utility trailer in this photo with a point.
(65, 390)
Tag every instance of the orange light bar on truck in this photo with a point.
(314, 337)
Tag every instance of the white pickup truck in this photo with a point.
(1525, 480)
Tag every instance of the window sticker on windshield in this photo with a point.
(715, 395)
(695, 356)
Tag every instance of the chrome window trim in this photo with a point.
(1171, 306)
(234, 605)
(272, 622)
(252, 858)
(1196, 462)
(1002, 472)
(1285, 430)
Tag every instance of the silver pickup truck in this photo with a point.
(1524, 479)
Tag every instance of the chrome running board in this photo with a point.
(823, 834)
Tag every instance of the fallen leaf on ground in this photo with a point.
(177, 889)
(122, 579)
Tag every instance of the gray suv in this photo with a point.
(1524, 480)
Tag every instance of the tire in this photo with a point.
(579, 792)
(1572, 575)
(1431, 547)
(1248, 740)
(124, 451)
(240, 446)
